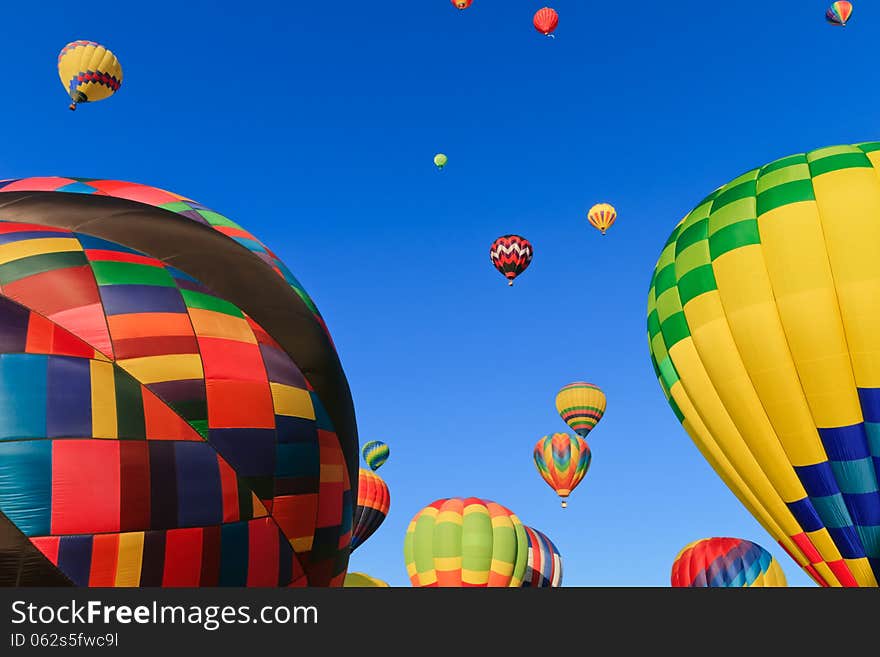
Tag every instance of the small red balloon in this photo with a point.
(462, 4)
(546, 20)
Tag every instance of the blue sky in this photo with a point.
(314, 125)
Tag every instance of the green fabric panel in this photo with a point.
(734, 236)
(696, 282)
(207, 302)
(838, 162)
(128, 273)
(475, 542)
(675, 329)
(785, 162)
(37, 264)
(796, 191)
(129, 406)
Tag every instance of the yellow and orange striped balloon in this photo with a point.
(88, 71)
(602, 216)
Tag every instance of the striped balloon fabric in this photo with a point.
(375, 454)
(839, 13)
(581, 405)
(373, 503)
(562, 460)
(602, 216)
(544, 567)
(465, 542)
(725, 562)
(153, 432)
(511, 255)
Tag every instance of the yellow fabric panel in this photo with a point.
(827, 574)
(292, 402)
(104, 422)
(128, 563)
(17, 250)
(849, 207)
(705, 400)
(210, 324)
(501, 567)
(154, 369)
(801, 282)
(473, 577)
(861, 569)
(302, 543)
(720, 357)
(447, 563)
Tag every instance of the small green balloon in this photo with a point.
(440, 160)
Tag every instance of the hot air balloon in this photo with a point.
(725, 562)
(88, 71)
(546, 20)
(158, 430)
(839, 12)
(511, 255)
(763, 316)
(440, 161)
(462, 4)
(562, 460)
(363, 581)
(601, 216)
(581, 405)
(372, 507)
(375, 454)
(465, 543)
(544, 566)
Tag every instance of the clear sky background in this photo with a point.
(314, 125)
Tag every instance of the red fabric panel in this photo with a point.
(105, 553)
(229, 488)
(134, 459)
(295, 514)
(85, 486)
(48, 545)
(232, 360)
(103, 255)
(239, 404)
(210, 573)
(183, 557)
(46, 337)
(262, 553)
(56, 290)
(157, 345)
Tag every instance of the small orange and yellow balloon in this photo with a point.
(602, 216)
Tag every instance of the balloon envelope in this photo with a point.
(581, 405)
(544, 567)
(375, 454)
(725, 562)
(88, 71)
(839, 12)
(462, 4)
(546, 20)
(440, 160)
(373, 503)
(363, 581)
(465, 542)
(601, 216)
(763, 317)
(511, 255)
(562, 461)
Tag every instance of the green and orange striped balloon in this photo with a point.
(581, 405)
(562, 460)
(465, 542)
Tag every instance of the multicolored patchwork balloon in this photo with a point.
(602, 216)
(562, 460)
(763, 317)
(581, 405)
(511, 255)
(544, 567)
(726, 562)
(158, 427)
(465, 543)
(375, 454)
(372, 507)
(88, 71)
(839, 13)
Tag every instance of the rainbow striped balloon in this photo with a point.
(562, 460)
(465, 543)
(375, 454)
(373, 503)
(581, 405)
(839, 13)
(544, 567)
(725, 562)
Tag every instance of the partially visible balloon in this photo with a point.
(468, 542)
(726, 562)
(440, 160)
(562, 460)
(544, 567)
(363, 581)
(511, 255)
(546, 20)
(581, 405)
(375, 454)
(372, 507)
(88, 71)
(839, 12)
(602, 216)
(462, 4)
